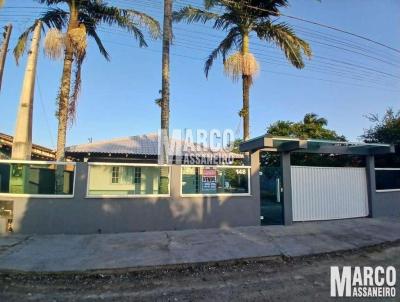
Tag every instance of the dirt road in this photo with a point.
(300, 279)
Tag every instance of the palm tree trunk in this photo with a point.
(65, 88)
(246, 83)
(63, 104)
(246, 79)
(246, 103)
(167, 34)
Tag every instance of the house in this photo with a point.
(38, 152)
(145, 148)
(118, 179)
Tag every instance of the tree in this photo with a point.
(81, 20)
(310, 127)
(165, 93)
(385, 130)
(239, 19)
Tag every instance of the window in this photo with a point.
(115, 176)
(127, 180)
(138, 175)
(387, 179)
(37, 178)
(215, 180)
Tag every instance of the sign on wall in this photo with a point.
(209, 181)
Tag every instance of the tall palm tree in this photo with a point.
(81, 20)
(165, 93)
(240, 19)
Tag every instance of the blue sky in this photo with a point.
(117, 97)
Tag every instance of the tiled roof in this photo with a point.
(139, 145)
(37, 150)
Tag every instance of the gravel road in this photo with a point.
(299, 279)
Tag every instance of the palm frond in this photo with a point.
(53, 18)
(285, 38)
(191, 14)
(146, 21)
(128, 19)
(52, 2)
(91, 29)
(223, 48)
(19, 49)
(208, 4)
(73, 100)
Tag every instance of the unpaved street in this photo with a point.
(302, 279)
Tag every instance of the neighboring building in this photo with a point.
(38, 152)
(140, 149)
(129, 180)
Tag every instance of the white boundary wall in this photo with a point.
(323, 193)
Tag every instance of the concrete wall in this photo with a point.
(382, 204)
(386, 204)
(80, 215)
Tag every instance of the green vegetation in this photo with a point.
(240, 19)
(312, 126)
(78, 22)
(385, 130)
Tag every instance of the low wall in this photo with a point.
(386, 204)
(81, 215)
(381, 204)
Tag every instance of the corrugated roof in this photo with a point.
(146, 144)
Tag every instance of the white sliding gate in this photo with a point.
(322, 193)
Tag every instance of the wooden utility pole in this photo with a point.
(167, 35)
(22, 144)
(4, 50)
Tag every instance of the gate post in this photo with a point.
(255, 183)
(371, 184)
(287, 188)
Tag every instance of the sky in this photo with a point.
(347, 79)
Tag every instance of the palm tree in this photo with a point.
(165, 94)
(81, 20)
(313, 118)
(240, 19)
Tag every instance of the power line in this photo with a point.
(348, 65)
(269, 71)
(345, 64)
(355, 76)
(318, 24)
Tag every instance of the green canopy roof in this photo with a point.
(289, 144)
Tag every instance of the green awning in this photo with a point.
(288, 144)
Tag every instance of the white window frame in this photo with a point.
(118, 178)
(248, 168)
(139, 182)
(387, 190)
(37, 162)
(127, 196)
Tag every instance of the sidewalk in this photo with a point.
(53, 253)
